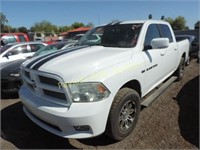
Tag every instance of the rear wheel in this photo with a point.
(188, 61)
(124, 114)
(180, 71)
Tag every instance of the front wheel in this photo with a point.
(124, 114)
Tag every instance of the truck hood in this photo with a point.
(78, 64)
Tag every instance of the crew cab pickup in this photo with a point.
(98, 86)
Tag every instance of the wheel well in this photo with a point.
(133, 84)
(184, 56)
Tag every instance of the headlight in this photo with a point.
(88, 92)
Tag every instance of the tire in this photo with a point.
(180, 70)
(188, 61)
(123, 114)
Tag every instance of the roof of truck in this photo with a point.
(135, 22)
(141, 21)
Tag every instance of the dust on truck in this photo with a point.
(98, 85)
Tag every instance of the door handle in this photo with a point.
(162, 54)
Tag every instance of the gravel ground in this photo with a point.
(171, 122)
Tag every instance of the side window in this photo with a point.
(152, 32)
(166, 32)
(22, 38)
(24, 49)
(36, 47)
(15, 51)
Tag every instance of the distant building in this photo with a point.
(70, 34)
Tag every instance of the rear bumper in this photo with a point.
(66, 121)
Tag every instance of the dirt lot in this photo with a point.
(171, 122)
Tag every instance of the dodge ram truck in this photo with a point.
(98, 85)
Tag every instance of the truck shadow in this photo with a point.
(101, 140)
(24, 134)
(18, 129)
(188, 119)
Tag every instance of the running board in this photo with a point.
(158, 92)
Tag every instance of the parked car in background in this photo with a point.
(194, 44)
(70, 34)
(72, 42)
(15, 51)
(39, 36)
(13, 37)
(75, 38)
(10, 76)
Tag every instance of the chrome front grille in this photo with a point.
(45, 86)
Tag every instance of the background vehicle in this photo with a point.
(10, 76)
(75, 38)
(98, 86)
(13, 37)
(70, 34)
(194, 44)
(14, 51)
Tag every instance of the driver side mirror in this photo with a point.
(159, 43)
(6, 55)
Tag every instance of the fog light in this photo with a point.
(82, 128)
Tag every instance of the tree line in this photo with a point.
(179, 23)
(43, 26)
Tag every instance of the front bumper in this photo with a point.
(10, 84)
(64, 121)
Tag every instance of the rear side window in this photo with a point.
(152, 32)
(36, 47)
(166, 32)
(22, 38)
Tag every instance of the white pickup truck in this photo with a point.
(98, 85)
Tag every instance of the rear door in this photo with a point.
(171, 53)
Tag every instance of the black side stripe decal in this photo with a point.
(39, 64)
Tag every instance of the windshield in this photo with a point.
(77, 37)
(117, 35)
(8, 39)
